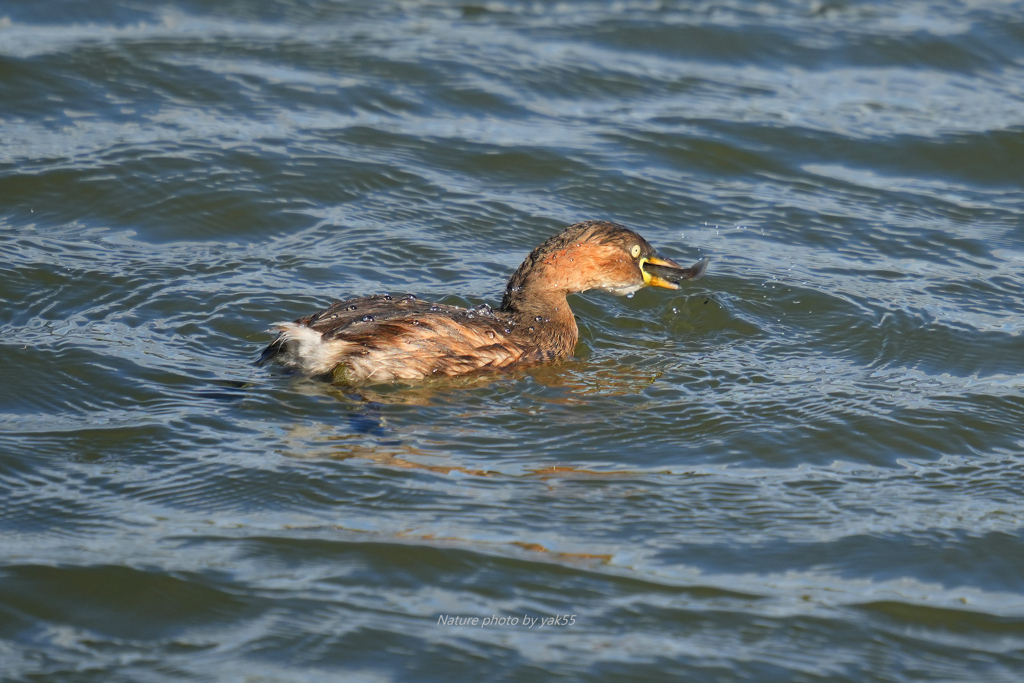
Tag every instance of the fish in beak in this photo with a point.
(662, 272)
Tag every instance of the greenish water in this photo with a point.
(808, 466)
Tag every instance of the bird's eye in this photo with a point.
(635, 251)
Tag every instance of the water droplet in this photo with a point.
(532, 330)
(435, 308)
(675, 310)
(490, 334)
(416, 322)
(470, 314)
(352, 308)
(409, 297)
(367, 318)
(508, 330)
(386, 297)
(539, 319)
(630, 295)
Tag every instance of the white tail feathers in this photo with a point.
(304, 348)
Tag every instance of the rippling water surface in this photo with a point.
(808, 466)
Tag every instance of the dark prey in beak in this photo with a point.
(664, 271)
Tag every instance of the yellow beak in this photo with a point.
(662, 272)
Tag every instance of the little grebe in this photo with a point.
(384, 338)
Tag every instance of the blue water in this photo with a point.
(807, 466)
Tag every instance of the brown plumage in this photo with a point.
(384, 338)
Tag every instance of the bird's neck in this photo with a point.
(542, 319)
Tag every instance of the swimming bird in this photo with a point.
(384, 338)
